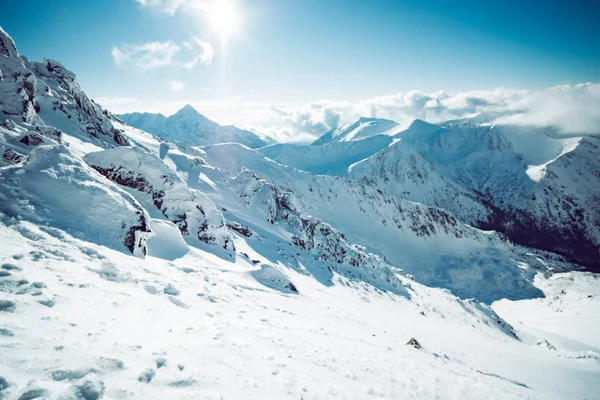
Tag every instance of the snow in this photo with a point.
(227, 335)
(538, 172)
(190, 127)
(166, 243)
(55, 187)
(135, 267)
(566, 317)
(360, 129)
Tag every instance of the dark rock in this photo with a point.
(414, 343)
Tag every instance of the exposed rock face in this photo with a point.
(12, 157)
(193, 213)
(35, 94)
(62, 102)
(17, 84)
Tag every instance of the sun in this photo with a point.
(224, 18)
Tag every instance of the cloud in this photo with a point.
(208, 52)
(172, 6)
(146, 56)
(569, 108)
(176, 85)
(152, 55)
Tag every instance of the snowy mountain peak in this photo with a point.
(190, 111)
(190, 127)
(420, 124)
(7, 45)
(361, 128)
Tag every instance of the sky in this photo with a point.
(295, 68)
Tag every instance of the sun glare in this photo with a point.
(224, 18)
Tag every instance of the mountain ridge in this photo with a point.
(188, 126)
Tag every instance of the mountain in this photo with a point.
(331, 158)
(533, 184)
(353, 269)
(360, 129)
(538, 184)
(190, 127)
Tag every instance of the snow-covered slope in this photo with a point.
(190, 127)
(332, 158)
(541, 187)
(155, 185)
(54, 187)
(359, 129)
(401, 171)
(134, 267)
(79, 318)
(430, 243)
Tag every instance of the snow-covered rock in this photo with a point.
(156, 186)
(45, 98)
(328, 245)
(55, 187)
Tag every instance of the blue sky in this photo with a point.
(300, 51)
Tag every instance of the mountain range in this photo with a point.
(146, 256)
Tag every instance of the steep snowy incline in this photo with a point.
(359, 129)
(401, 171)
(557, 211)
(201, 327)
(429, 243)
(190, 127)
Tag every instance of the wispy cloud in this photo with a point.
(152, 55)
(172, 6)
(147, 55)
(176, 85)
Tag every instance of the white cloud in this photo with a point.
(570, 108)
(176, 85)
(163, 54)
(147, 55)
(172, 6)
(208, 52)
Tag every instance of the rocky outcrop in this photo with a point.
(62, 101)
(157, 186)
(326, 244)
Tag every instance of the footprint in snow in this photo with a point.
(146, 375)
(178, 302)
(7, 305)
(161, 362)
(172, 290)
(47, 302)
